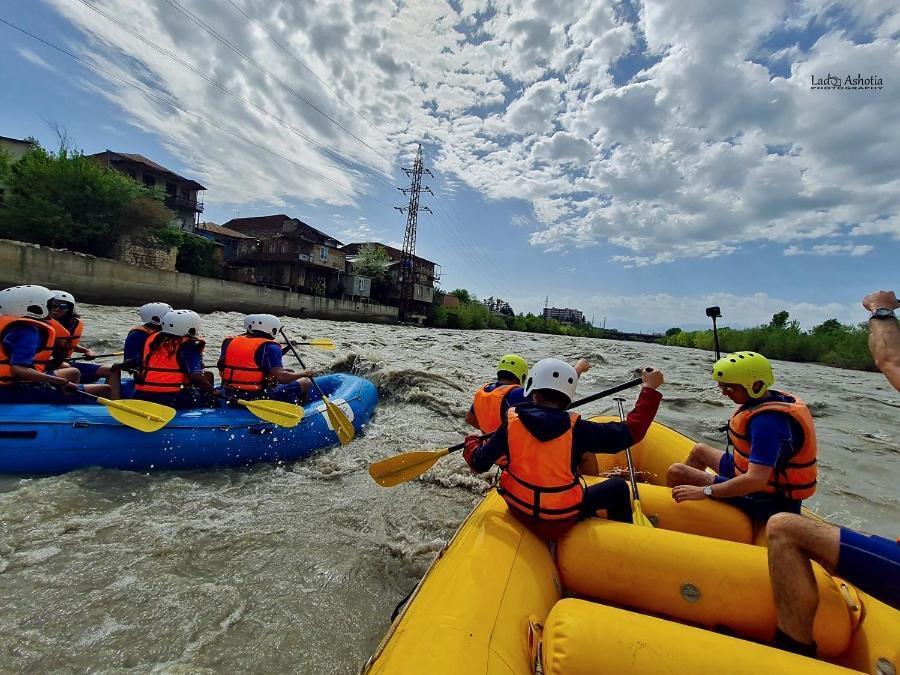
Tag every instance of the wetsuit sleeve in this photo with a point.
(191, 359)
(513, 398)
(22, 343)
(612, 437)
(492, 450)
(270, 357)
(134, 346)
(770, 432)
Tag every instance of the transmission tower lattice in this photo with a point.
(407, 259)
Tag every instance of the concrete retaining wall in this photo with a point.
(107, 282)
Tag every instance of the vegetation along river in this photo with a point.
(298, 567)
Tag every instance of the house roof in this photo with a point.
(261, 224)
(16, 140)
(395, 253)
(135, 158)
(223, 231)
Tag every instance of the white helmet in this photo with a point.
(64, 296)
(153, 312)
(553, 374)
(26, 301)
(265, 323)
(181, 322)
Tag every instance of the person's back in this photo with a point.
(492, 400)
(151, 314)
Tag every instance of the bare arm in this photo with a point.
(26, 374)
(285, 376)
(884, 336)
(471, 419)
(754, 480)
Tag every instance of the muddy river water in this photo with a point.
(296, 568)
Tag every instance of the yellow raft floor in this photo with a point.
(689, 596)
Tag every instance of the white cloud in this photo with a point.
(699, 154)
(34, 58)
(830, 249)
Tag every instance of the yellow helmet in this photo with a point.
(515, 364)
(744, 368)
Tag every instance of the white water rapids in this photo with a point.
(297, 568)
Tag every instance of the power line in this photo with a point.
(350, 163)
(180, 8)
(176, 106)
(306, 67)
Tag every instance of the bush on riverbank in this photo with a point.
(474, 314)
(830, 343)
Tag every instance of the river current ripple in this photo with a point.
(297, 567)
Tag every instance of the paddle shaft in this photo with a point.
(574, 404)
(297, 356)
(99, 356)
(634, 488)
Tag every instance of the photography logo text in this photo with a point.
(858, 82)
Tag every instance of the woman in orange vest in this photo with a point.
(26, 350)
(539, 445)
(251, 365)
(171, 370)
(773, 466)
(69, 328)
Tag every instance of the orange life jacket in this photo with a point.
(237, 364)
(487, 405)
(794, 475)
(44, 354)
(538, 478)
(66, 340)
(160, 371)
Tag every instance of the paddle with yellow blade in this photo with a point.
(135, 413)
(637, 514)
(402, 468)
(282, 413)
(320, 343)
(342, 426)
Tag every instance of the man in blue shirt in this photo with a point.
(151, 314)
(251, 364)
(773, 466)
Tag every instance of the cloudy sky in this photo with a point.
(636, 160)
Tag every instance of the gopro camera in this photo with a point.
(713, 312)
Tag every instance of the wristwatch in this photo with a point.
(883, 313)
(708, 491)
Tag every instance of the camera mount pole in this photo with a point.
(714, 313)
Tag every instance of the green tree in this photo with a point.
(672, 331)
(828, 326)
(67, 200)
(464, 296)
(372, 261)
(779, 320)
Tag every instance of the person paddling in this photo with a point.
(773, 467)
(171, 369)
(539, 444)
(251, 366)
(151, 314)
(493, 399)
(27, 344)
(69, 328)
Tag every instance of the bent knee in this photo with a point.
(675, 474)
(784, 526)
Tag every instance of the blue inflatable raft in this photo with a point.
(45, 439)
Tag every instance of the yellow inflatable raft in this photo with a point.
(692, 596)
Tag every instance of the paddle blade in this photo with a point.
(138, 414)
(637, 515)
(322, 343)
(342, 426)
(402, 468)
(277, 412)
